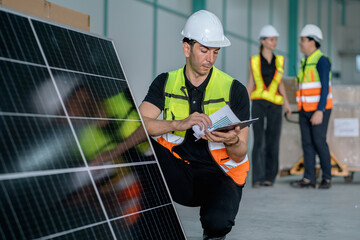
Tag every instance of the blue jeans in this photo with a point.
(313, 140)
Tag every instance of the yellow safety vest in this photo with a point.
(269, 93)
(177, 107)
(309, 84)
(94, 140)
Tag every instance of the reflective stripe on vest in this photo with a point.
(236, 170)
(177, 107)
(309, 84)
(269, 93)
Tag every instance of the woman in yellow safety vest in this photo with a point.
(267, 92)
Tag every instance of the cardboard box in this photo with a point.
(346, 148)
(51, 11)
(290, 142)
(290, 88)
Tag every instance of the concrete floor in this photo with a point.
(282, 212)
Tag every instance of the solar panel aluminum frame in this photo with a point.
(88, 168)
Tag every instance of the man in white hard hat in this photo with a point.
(211, 172)
(314, 101)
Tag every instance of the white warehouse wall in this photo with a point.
(131, 28)
(134, 28)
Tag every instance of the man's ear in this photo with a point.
(186, 49)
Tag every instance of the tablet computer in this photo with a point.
(232, 126)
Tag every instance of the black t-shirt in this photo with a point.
(197, 151)
(267, 69)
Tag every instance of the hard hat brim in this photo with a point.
(316, 38)
(224, 43)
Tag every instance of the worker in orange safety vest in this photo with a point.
(314, 99)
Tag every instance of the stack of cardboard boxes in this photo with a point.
(50, 11)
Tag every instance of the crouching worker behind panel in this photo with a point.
(211, 172)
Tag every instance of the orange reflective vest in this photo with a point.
(177, 107)
(309, 84)
(269, 93)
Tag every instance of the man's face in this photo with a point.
(201, 58)
(305, 44)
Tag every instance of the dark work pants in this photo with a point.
(201, 185)
(313, 140)
(265, 153)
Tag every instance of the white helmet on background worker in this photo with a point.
(206, 28)
(268, 31)
(313, 31)
(46, 100)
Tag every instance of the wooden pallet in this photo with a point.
(337, 168)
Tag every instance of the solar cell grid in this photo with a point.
(21, 83)
(75, 162)
(149, 226)
(98, 91)
(101, 231)
(35, 144)
(72, 50)
(17, 40)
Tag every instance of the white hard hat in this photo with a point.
(313, 31)
(268, 31)
(206, 28)
(46, 100)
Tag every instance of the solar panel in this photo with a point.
(75, 162)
